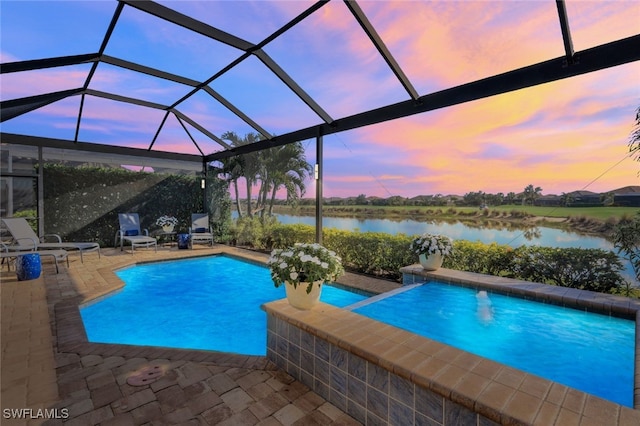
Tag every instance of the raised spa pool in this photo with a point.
(210, 303)
(588, 351)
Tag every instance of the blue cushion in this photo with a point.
(201, 230)
(131, 233)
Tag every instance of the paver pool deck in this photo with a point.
(47, 364)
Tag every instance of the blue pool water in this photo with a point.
(210, 303)
(590, 352)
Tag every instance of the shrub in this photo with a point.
(82, 203)
(374, 253)
(585, 269)
(252, 231)
(383, 255)
(626, 238)
(282, 236)
(492, 259)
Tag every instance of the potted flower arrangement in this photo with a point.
(431, 249)
(167, 223)
(304, 268)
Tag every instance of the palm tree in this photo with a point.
(634, 140)
(284, 166)
(531, 194)
(274, 168)
(626, 240)
(232, 169)
(247, 165)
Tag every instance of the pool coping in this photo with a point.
(602, 303)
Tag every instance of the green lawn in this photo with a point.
(600, 213)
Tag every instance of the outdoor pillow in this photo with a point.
(201, 230)
(131, 233)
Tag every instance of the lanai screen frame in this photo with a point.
(571, 64)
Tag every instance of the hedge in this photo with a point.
(82, 203)
(384, 254)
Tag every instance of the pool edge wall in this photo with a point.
(602, 303)
(381, 374)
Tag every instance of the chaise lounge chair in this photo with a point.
(25, 239)
(130, 231)
(200, 231)
(56, 255)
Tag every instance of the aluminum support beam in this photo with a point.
(371, 32)
(16, 107)
(193, 141)
(38, 64)
(98, 148)
(189, 23)
(149, 71)
(127, 99)
(293, 86)
(218, 97)
(318, 176)
(566, 32)
(202, 129)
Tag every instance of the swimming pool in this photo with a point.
(590, 352)
(210, 303)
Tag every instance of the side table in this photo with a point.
(165, 238)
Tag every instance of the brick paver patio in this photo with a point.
(50, 370)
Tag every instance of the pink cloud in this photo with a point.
(440, 44)
(38, 82)
(561, 136)
(597, 22)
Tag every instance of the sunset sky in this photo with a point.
(563, 136)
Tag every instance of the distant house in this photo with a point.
(548, 201)
(628, 196)
(627, 200)
(584, 199)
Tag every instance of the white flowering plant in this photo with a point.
(431, 243)
(166, 220)
(304, 263)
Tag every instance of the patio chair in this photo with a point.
(200, 231)
(56, 255)
(130, 231)
(24, 238)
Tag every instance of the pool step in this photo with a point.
(381, 296)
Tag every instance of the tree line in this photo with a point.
(528, 196)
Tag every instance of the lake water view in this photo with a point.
(548, 237)
(512, 236)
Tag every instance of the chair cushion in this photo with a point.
(131, 233)
(200, 230)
